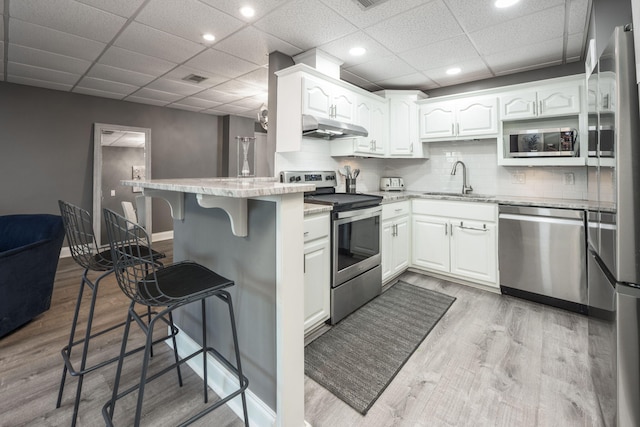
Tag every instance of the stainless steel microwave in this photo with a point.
(544, 143)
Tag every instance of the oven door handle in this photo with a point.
(359, 213)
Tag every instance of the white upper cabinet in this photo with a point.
(373, 115)
(548, 102)
(325, 99)
(464, 118)
(404, 138)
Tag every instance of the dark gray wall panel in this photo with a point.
(46, 147)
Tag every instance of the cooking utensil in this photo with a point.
(356, 172)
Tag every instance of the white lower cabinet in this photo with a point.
(395, 239)
(317, 265)
(456, 238)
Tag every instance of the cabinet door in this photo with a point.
(477, 116)
(316, 97)
(378, 132)
(386, 250)
(316, 283)
(364, 118)
(400, 245)
(403, 134)
(430, 242)
(559, 101)
(519, 105)
(344, 104)
(473, 250)
(437, 120)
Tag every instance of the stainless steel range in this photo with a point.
(356, 275)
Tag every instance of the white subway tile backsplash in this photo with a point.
(434, 174)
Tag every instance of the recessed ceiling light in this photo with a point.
(505, 3)
(247, 11)
(453, 71)
(357, 51)
(209, 37)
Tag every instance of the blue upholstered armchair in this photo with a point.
(29, 252)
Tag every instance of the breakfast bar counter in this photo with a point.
(249, 230)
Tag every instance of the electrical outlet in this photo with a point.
(113, 193)
(518, 178)
(569, 178)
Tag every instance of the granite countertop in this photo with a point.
(314, 208)
(225, 187)
(396, 196)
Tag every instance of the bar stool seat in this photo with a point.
(171, 287)
(78, 225)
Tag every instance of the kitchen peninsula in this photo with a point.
(251, 231)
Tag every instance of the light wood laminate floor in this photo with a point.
(491, 361)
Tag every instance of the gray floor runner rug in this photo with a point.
(357, 359)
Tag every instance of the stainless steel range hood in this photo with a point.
(319, 127)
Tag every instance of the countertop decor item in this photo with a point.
(246, 156)
(380, 337)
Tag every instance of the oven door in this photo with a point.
(356, 243)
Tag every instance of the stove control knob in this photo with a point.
(298, 178)
(292, 179)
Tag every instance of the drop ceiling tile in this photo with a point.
(575, 45)
(43, 38)
(423, 25)
(149, 41)
(364, 18)
(359, 81)
(200, 103)
(254, 45)
(189, 19)
(578, 15)
(69, 16)
(106, 86)
(124, 8)
(411, 81)
(44, 74)
(119, 75)
(382, 69)
(510, 35)
(142, 100)
(96, 92)
(174, 86)
(258, 78)
(239, 89)
(185, 107)
(262, 7)
(476, 15)
(128, 60)
(221, 63)
(157, 95)
(440, 54)
(215, 95)
(340, 48)
(474, 69)
(305, 24)
(39, 83)
(232, 109)
(248, 103)
(534, 56)
(44, 59)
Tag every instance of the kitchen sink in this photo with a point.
(468, 195)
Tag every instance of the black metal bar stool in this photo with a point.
(78, 225)
(169, 287)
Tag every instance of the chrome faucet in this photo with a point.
(466, 189)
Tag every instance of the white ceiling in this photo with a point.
(140, 50)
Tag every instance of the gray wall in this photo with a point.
(46, 147)
(233, 126)
(605, 16)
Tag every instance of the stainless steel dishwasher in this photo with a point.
(542, 255)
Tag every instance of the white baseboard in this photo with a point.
(65, 252)
(223, 383)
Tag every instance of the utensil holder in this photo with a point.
(350, 184)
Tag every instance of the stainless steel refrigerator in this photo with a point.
(614, 232)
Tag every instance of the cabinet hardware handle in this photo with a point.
(457, 128)
(304, 265)
(474, 228)
(411, 148)
(540, 108)
(535, 108)
(395, 229)
(453, 132)
(451, 229)
(399, 210)
(306, 233)
(446, 229)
